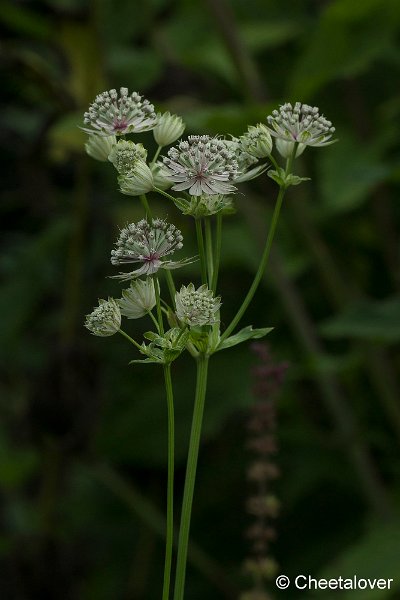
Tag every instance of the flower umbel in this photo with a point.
(196, 307)
(147, 244)
(139, 299)
(201, 165)
(115, 114)
(105, 320)
(125, 154)
(301, 123)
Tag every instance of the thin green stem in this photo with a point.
(158, 306)
(202, 254)
(170, 484)
(164, 194)
(194, 444)
(218, 243)
(209, 250)
(146, 206)
(260, 271)
(128, 337)
(156, 155)
(150, 313)
(171, 285)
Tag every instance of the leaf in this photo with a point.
(376, 556)
(368, 320)
(248, 333)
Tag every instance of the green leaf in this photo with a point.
(284, 179)
(368, 320)
(248, 333)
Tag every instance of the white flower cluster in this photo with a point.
(105, 320)
(201, 165)
(115, 114)
(300, 123)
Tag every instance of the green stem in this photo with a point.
(158, 305)
(164, 194)
(202, 254)
(261, 268)
(209, 251)
(171, 285)
(150, 313)
(156, 155)
(170, 484)
(218, 243)
(128, 337)
(201, 386)
(143, 199)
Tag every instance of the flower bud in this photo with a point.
(257, 141)
(168, 129)
(196, 307)
(139, 299)
(285, 149)
(105, 320)
(99, 147)
(125, 154)
(159, 175)
(138, 181)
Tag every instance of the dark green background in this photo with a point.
(83, 435)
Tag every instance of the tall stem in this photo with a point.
(209, 250)
(261, 268)
(218, 243)
(146, 206)
(158, 306)
(170, 484)
(202, 254)
(201, 386)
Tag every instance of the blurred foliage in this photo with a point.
(70, 404)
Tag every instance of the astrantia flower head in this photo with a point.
(115, 114)
(300, 123)
(105, 320)
(125, 154)
(139, 299)
(196, 307)
(201, 165)
(99, 147)
(257, 141)
(147, 243)
(169, 128)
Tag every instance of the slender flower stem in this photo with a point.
(267, 249)
(260, 272)
(150, 313)
(146, 206)
(170, 484)
(218, 243)
(170, 284)
(156, 155)
(209, 250)
(158, 306)
(202, 254)
(194, 444)
(164, 194)
(128, 337)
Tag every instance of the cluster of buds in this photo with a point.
(196, 307)
(300, 124)
(262, 505)
(257, 141)
(105, 320)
